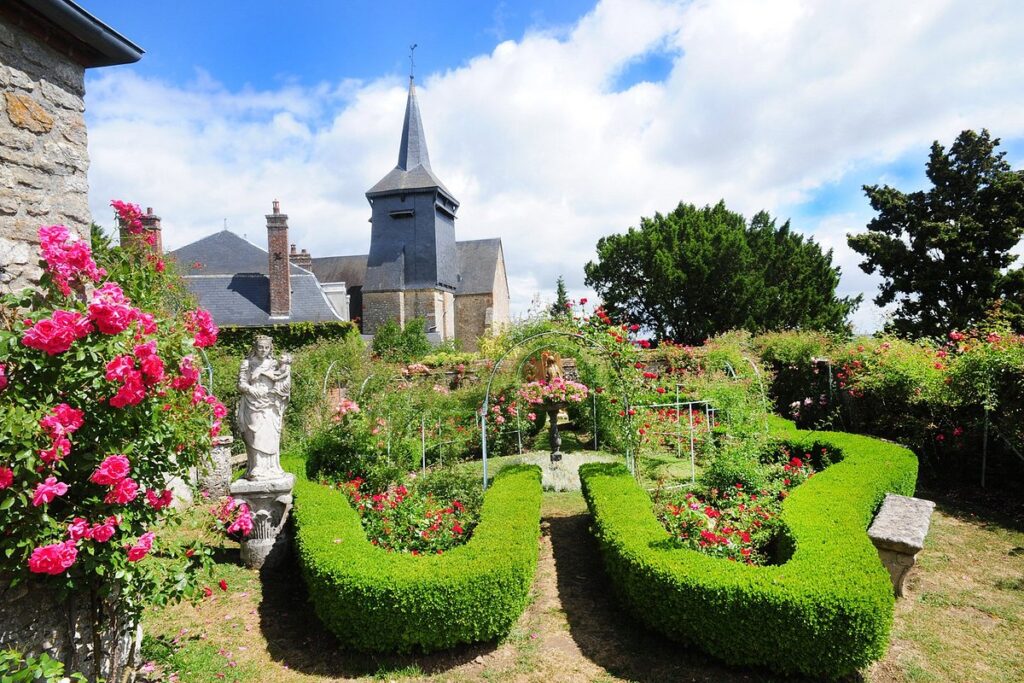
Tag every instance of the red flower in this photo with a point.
(56, 334)
(207, 591)
(47, 490)
(6, 477)
(141, 547)
(110, 310)
(53, 559)
(112, 470)
(223, 585)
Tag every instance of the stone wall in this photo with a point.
(43, 153)
(473, 316)
(380, 307)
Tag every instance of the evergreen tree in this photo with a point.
(694, 273)
(561, 306)
(944, 255)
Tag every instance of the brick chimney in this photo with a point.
(151, 231)
(302, 259)
(279, 271)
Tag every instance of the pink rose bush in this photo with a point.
(233, 518)
(99, 383)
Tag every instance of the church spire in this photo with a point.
(413, 150)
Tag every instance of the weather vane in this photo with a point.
(412, 61)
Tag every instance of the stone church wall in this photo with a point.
(473, 316)
(44, 159)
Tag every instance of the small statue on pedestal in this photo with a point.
(265, 384)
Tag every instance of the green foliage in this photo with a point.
(396, 345)
(379, 601)
(18, 668)
(286, 337)
(560, 308)
(735, 465)
(825, 611)
(696, 272)
(945, 254)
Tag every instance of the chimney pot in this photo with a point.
(277, 206)
(293, 249)
(149, 210)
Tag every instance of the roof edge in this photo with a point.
(108, 47)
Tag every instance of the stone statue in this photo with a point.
(265, 384)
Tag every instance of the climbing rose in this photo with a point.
(201, 324)
(124, 491)
(110, 310)
(56, 334)
(151, 365)
(53, 559)
(189, 374)
(141, 547)
(101, 533)
(112, 470)
(67, 257)
(243, 522)
(159, 502)
(129, 215)
(79, 529)
(62, 420)
(6, 477)
(48, 490)
(3, 376)
(61, 447)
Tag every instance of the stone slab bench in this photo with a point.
(898, 533)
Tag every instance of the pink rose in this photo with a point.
(67, 257)
(141, 547)
(124, 491)
(147, 323)
(53, 559)
(79, 529)
(57, 333)
(189, 374)
(62, 420)
(48, 490)
(113, 469)
(60, 448)
(159, 502)
(201, 324)
(102, 532)
(6, 477)
(3, 376)
(243, 522)
(131, 393)
(110, 310)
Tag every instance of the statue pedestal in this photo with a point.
(215, 472)
(555, 439)
(269, 501)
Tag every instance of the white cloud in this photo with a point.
(765, 103)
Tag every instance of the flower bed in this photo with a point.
(554, 392)
(400, 520)
(824, 611)
(737, 523)
(379, 601)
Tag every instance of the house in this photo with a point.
(45, 48)
(416, 268)
(242, 284)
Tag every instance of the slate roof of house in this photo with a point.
(228, 275)
(348, 269)
(413, 171)
(477, 264)
(478, 261)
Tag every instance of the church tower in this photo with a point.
(412, 267)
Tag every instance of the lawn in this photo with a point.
(962, 619)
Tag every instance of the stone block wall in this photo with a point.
(380, 307)
(473, 318)
(44, 158)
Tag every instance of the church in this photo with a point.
(415, 267)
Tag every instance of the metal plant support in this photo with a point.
(630, 460)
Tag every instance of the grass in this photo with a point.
(962, 619)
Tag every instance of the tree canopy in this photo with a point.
(694, 273)
(944, 254)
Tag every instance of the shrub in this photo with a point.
(825, 611)
(397, 345)
(288, 336)
(376, 601)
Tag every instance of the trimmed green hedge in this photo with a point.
(286, 336)
(826, 611)
(378, 601)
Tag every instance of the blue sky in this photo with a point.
(553, 122)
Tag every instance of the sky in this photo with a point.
(554, 123)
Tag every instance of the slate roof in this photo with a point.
(478, 261)
(477, 264)
(231, 282)
(348, 269)
(413, 171)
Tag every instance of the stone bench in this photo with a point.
(898, 533)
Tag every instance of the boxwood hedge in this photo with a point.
(378, 601)
(826, 611)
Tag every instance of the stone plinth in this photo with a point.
(215, 472)
(898, 533)
(269, 501)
